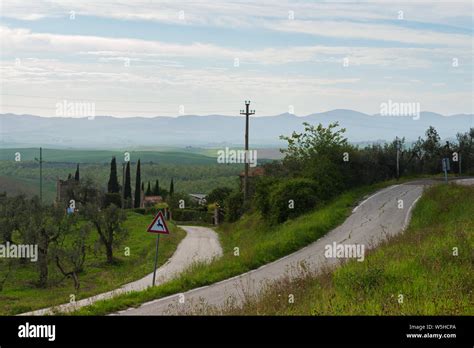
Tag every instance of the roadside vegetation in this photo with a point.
(427, 270)
(299, 199)
(133, 259)
(82, 245)
(258, 243)
(296, 201)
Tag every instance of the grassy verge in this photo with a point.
(257, 244)
(420, 264)
(20, 294)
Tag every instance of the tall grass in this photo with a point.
(20, 294)
(257, 243)
(414, 273)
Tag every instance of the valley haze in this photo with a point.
(213, 130)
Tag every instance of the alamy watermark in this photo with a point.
(75, 109)
(229, 156)
(396, 109)
(19, 251)
(345, 251)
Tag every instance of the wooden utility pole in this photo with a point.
(40, 160)
(41, 174)
(123, 185)
(398, 158)
(247, 113)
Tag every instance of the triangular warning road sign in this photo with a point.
(158, 225)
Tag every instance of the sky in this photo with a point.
(166, 58)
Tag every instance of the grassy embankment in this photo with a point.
(258, 244)
(21, 295)
(420, 264)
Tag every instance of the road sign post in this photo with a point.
(157, 226)
(446, 167)
(156, 259)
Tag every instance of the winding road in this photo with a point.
(379, 216)
(199, 245)
(383, 214)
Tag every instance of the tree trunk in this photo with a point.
(110, 256)
(43, 265)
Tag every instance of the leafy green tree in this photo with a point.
(108, 223)
(317, 154)
(291, 198)
(219, 195)
(13, 211)
(70, 252)
(113, 185)
(43, 227)
(465, 149)
(138, 184)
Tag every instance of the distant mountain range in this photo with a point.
(212, 130)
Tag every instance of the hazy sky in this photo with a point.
(148, 58)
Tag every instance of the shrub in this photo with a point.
(112, 198)
(290, 199)
(191, 215)
(219, 195)
(234, 206)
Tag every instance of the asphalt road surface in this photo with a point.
(383, 214)
(199, 245)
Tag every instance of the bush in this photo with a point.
(219, 195)
(290, 199)
(234, 206)
(192, 215)
(112, 198)
(263, 188)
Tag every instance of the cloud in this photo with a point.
(18, 41)
(370, 31)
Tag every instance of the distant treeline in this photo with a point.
(320, 163)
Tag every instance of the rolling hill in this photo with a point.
(211, 131)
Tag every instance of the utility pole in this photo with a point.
(398, 157)
(247, 113)
(123, 185)
(41, 173)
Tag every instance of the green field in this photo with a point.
(420, 264)
(173, 156)
(20, 295)
(191, 172)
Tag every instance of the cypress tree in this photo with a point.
(171, 187)
(113, 185)
(138, 184)
(148, 190)
(76, 176)
(127, 191)
(156, 189)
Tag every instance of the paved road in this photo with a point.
(375, 218)
(199, 245)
